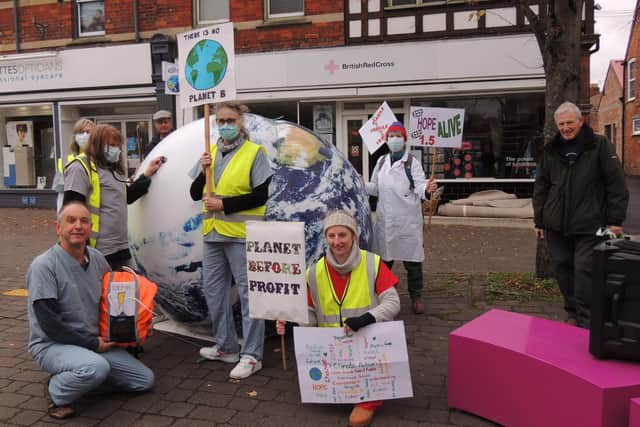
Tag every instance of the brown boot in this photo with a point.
(361, 417)
(417, 306)
(58, 412)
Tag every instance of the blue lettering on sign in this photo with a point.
(32, 200)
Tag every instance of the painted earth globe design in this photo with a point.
(310, 178)
(315, 374)
(206, 64)
(173, 84)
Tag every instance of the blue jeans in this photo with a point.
(221, 261)
(76, 371)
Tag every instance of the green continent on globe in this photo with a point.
(218, 64)
(192, 60)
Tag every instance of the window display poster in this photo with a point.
(436, 127)
(276, 269)
(371, 364)
(91, 16)
(374, 131)
(19, 133)
(323, 118)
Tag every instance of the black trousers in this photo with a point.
(572, 258)
(414, 278)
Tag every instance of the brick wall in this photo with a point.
(610, 110)
(632, 108)
(311, 30)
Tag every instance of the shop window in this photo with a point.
(631, 80)
(501, 138)
(636, 125)
(211, 11)
(284, 8)
(90, 17)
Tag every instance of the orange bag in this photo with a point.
(126, 307)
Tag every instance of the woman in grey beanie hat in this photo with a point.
(336, 283)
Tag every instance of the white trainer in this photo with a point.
(247, 366)
(214, 353)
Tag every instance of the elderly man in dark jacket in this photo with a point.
(579, 188)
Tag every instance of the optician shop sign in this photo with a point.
(67, 69)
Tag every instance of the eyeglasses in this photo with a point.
(221, 122)
(163, 121)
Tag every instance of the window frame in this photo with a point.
(78, 14)
(271, 17)
(197, 22)
(631, 79)
(635, 126)
(422, 3)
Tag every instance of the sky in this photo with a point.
(613, 23)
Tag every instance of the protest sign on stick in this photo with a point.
(276, 272)
(434, 128)
(207, 73)
(374, 131)
(371, 364)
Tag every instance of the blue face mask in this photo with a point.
(228, 132)
(112, 153)
(396, 144)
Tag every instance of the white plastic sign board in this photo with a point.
(371, 364)
(207, 65)
(436, 127)
(276, 271)
(374, 131)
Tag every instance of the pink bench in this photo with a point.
(634, 413)
(519, 370)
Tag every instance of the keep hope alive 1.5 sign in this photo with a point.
(207, 65)
(436, 127)
(276, 271)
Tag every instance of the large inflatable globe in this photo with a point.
(310, 178)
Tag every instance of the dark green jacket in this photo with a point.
(580, 197)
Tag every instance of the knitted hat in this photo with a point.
(342, 218)
(161, 114)
(397, 127)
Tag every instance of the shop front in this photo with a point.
(44, 93)
(499, 81)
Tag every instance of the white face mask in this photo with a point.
(112, 153)
(395, 143)
(82, 139)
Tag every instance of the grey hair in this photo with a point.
(567, 107)
(64, 207)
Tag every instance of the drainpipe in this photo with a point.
(136, 20)
(16, 23)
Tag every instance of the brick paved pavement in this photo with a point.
(189, 393)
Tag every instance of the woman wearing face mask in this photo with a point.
(344, 281)
(399, 182)
(240, 176)
(97, 177)
(79, 141)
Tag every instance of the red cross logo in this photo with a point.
(331, 67)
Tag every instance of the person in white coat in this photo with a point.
(399, 182)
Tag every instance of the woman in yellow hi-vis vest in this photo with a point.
(240, 176)
(350, 288)
(97, 177)
(80, 139)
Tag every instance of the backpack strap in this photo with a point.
(407, 170)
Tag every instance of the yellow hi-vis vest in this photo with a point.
(61, 167)
(94, 197)
(359, 294)
(234, 181)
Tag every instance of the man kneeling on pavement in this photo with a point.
(65, 287)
